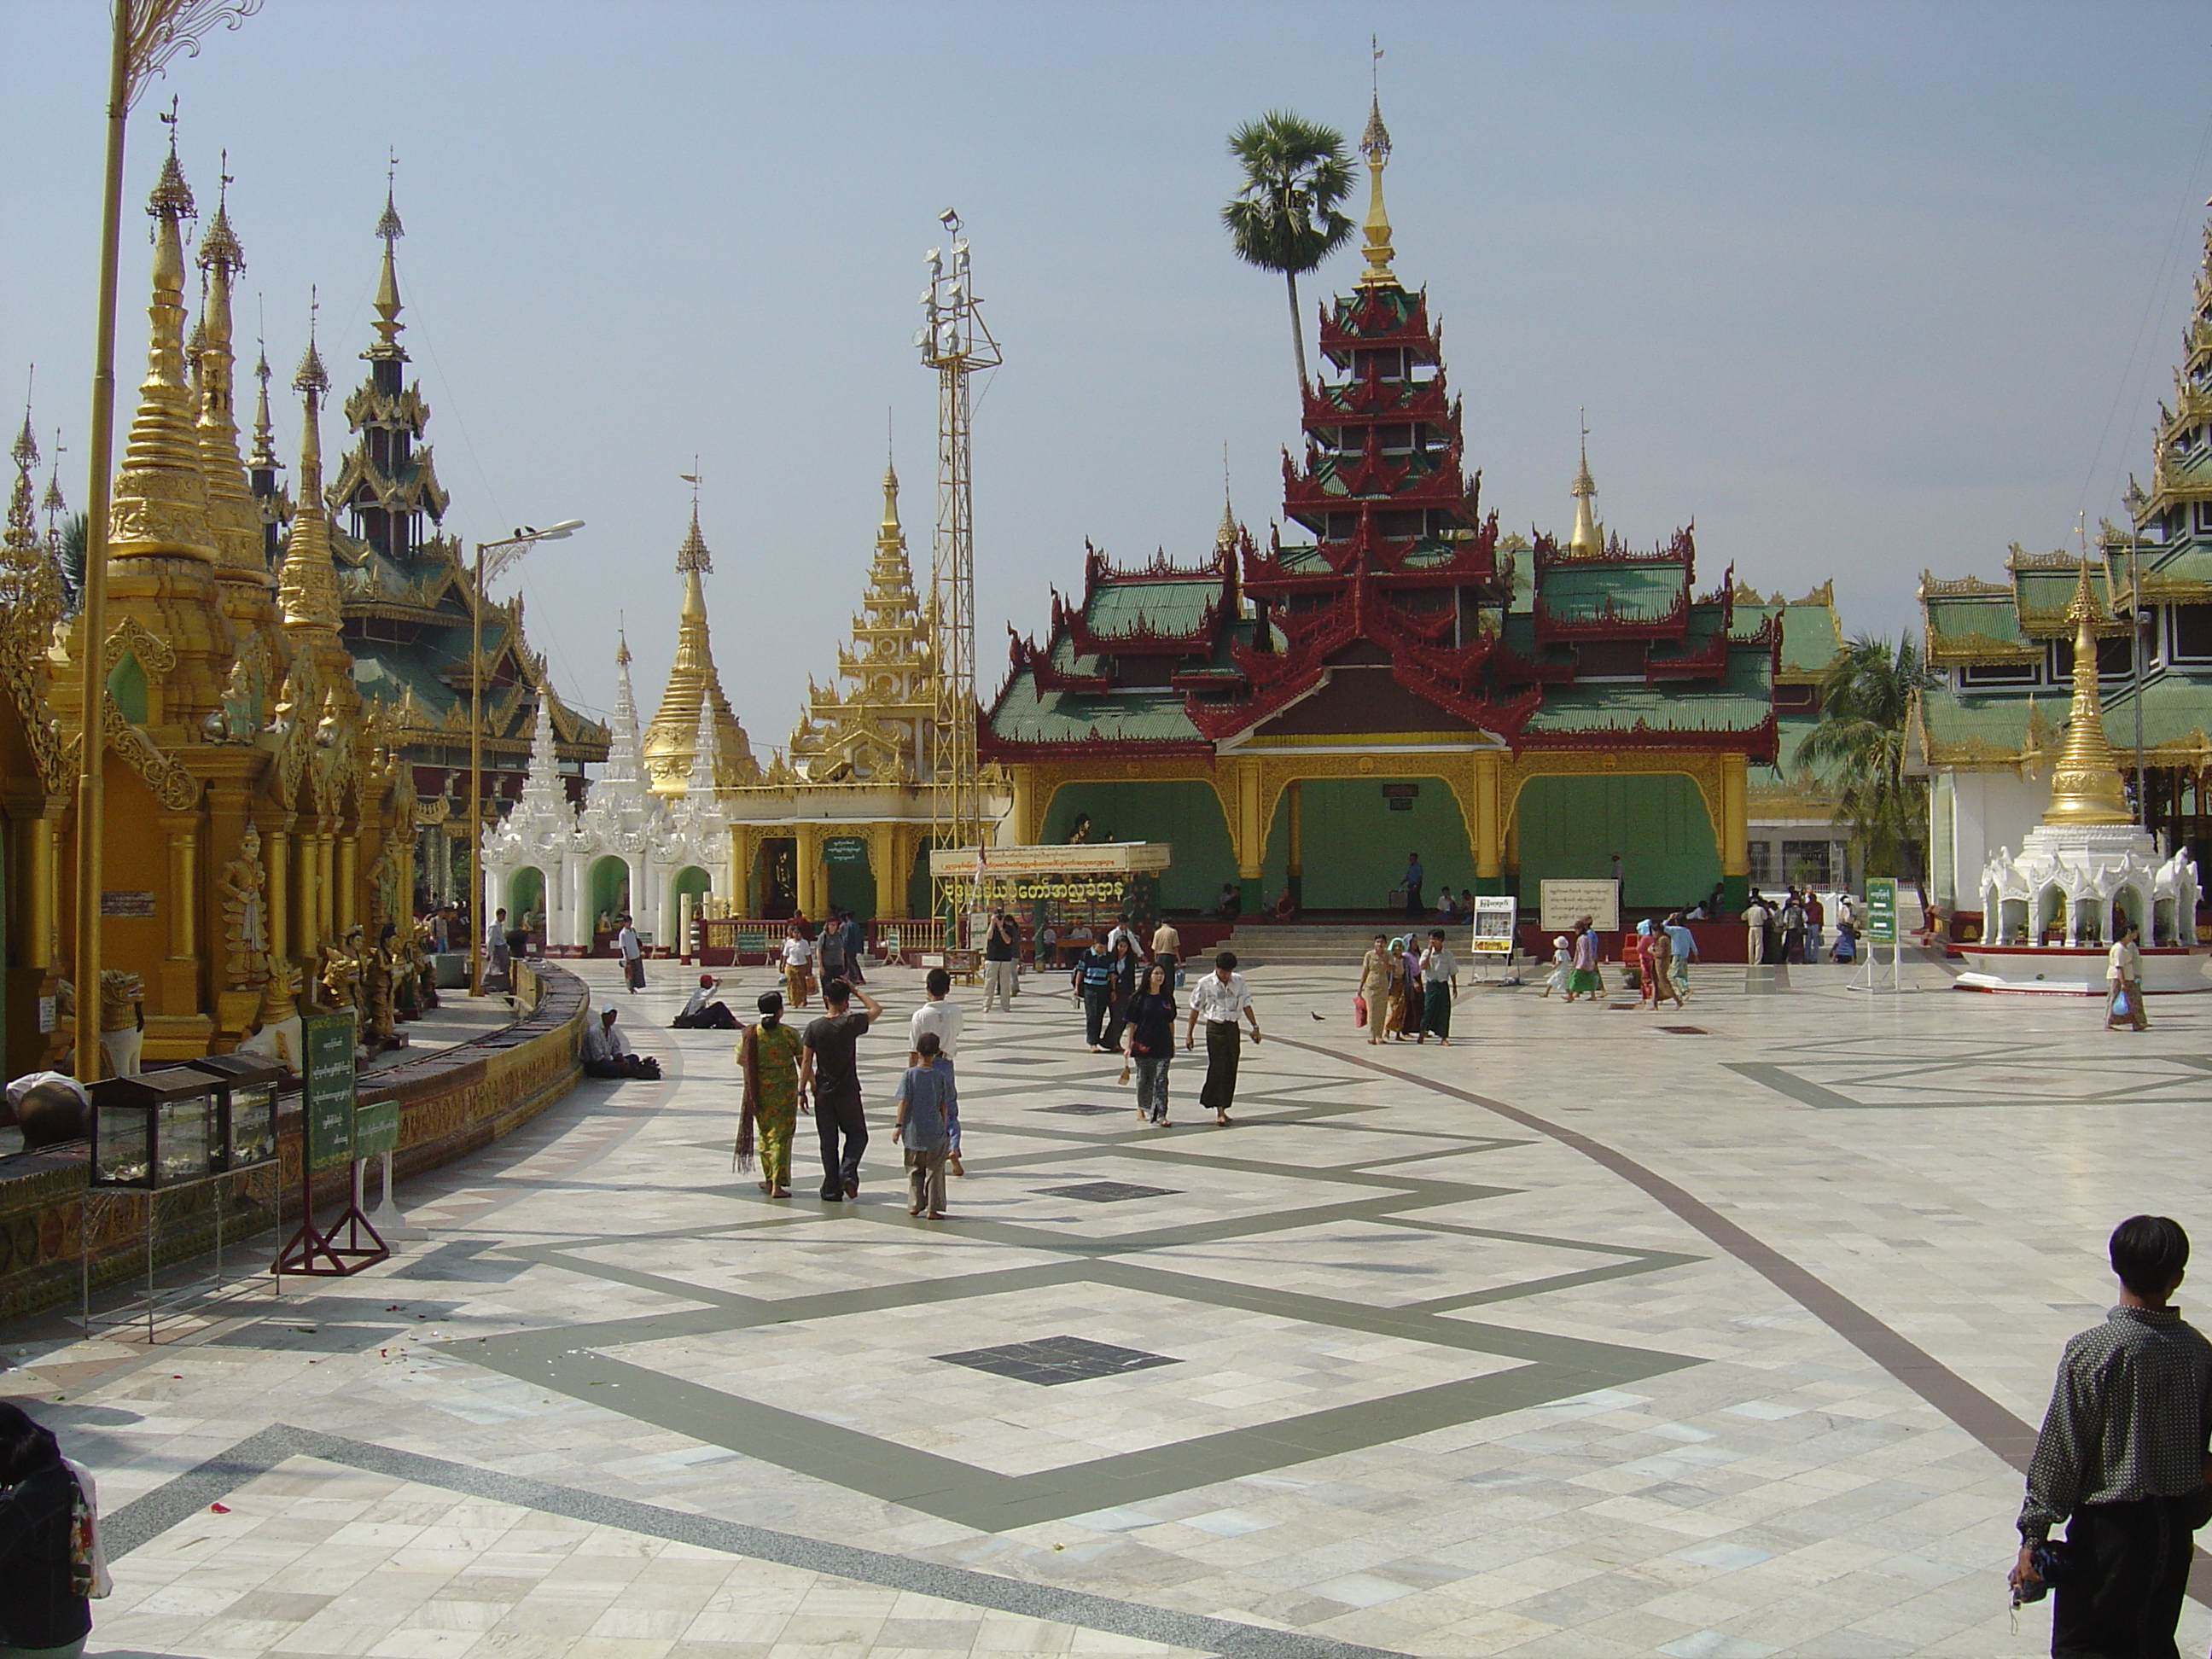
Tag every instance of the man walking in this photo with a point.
(2121, 1459)
(831, 1071)
(830, 947)
(1092, 982)
(1413, 878)
(1167, 948)
(1217, 999)
(939, 1018)
(1755, 915)
(1000, 947)
(1439, 984)
(928, 1114)
(632, 955)
(495, 959)
(2124, 981)
(1685, 945)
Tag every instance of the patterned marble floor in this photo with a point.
(1599, 1333)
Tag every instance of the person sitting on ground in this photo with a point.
(607, 1052)
(1285, 906)
(701, 1015)
(50, 1109)
(1447, 906)
(1231, 905)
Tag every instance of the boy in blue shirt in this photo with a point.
(928, 1118)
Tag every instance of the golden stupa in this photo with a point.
(672, 739)
(2085, 785)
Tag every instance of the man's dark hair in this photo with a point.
(2148, 1252)
(927, 1045)
(940, 983)
(1436, 933)
(1226, 961)
(26, 1445)
(51, 1113)
(836, 993)
(770, 1003)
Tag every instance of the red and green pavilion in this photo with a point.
(1307, 715)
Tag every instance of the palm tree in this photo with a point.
(1285, 217)
(1866, 699)
(70, 560)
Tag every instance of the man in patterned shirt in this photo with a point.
(2122, 1459)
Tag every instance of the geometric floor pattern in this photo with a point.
(1421, 1356)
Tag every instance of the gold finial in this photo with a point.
(692, 558)
(2085, 785)
(219, 244)
(387, 323)
(1376, 142)
(889, 532)
(1587, 537)
(23, 524)
(264, 434)
(1224, 539)
(53, 503)
(308, 582)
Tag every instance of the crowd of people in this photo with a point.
(1794, 928)
(1407, 989)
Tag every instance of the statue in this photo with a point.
(377, 967)
(122, 1019)
(341, 974)
(245, 914)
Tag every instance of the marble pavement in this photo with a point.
(1715, 1334)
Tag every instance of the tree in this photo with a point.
(1285, 217)
(1866, 699)
(70, 558)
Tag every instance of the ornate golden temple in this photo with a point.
(256, 812)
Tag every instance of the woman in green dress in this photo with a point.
(769, 1056)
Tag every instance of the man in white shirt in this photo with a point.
(1217, 999)
(607, 1052)
(1755, 918)
(632, 954)
(2123, 976)
(702, 1013)
(942, 1017)
(1439, 981)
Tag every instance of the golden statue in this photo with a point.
(340, 973)
(378, 966)
(245, 914)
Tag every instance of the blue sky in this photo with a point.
(1862, 290)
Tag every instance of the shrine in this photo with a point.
(1406, 681)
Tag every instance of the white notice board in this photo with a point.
(1566, 902)
(1495, 915)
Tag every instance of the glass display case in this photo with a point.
(155, 1129)
(245, 1106)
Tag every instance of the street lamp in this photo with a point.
(492, 558)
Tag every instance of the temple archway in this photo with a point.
(1354, 835)
(526, 893)
(1569, 827)
(606, 890)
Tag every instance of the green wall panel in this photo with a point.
(1187, 816)
(1570, 828)
(1355, 845)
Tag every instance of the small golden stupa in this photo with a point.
(671, 739)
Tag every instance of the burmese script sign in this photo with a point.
(844, 849)
(375, 1128)
(1566, 902)
(1075, 858)
(326, 1089)
(1495, 915)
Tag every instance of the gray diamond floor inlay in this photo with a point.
(1082, 1109)
(1105, 1192)
(1055, 1359)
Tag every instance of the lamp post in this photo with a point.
(147, 35)
(492, 558)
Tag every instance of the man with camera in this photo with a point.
(2122, 1461)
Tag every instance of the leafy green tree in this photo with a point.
(72, 561)
(1858, 747)
(1286, 216)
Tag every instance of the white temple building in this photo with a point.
(573, 872)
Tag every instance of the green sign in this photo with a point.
(326, 1096)
(844, 849)
(375, 1128)
(1881, 909)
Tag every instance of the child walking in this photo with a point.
(928, 1114)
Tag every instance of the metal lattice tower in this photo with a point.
(955, 341)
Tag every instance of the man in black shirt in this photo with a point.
(999, 946)
(831, 1067)
(2121, 1459)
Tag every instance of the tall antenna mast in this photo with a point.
(955, 341)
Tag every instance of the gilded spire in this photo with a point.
(672, 740)
(53, 503)
(387, 323)
(161, 490)
(307, 583)
(264, 432)
(30, 587)
(2085, 785)
(1588, 536)
(23, 524)
(233, 514)
(1376, 142)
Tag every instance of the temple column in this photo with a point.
(277, 879)
(1248, 832)
(1295, 834)
(302, 877)
(30, 909)
(1488, 830)
(325, 864)
(883, 848)
(741, 869)
(1734, 830)
(1022, 819)
(180, 972)
(348, 855)
(808, 880)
